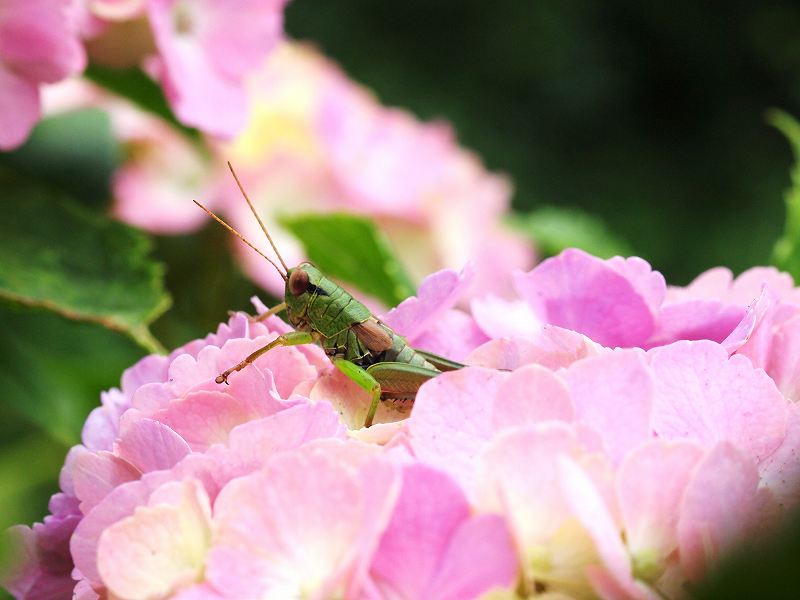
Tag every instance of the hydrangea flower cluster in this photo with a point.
(201, 53)
(612, 438)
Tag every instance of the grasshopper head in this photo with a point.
(303, 281)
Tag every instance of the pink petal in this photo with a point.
(151, 188)
(452, 420)
(281, 533)
(122, 501)
(713, 284)
(751, 323)
(650, 487)
(518, 478)
(613, 393)
(748, 285)
(150, 369)
(780, 472)
(500, 318)
(41, 564)
(200, 96)
(161, 547)
(530, 395)
(454, 335)
(102, 424)
(695, 320)
(437, 293)
(703, 396)
(204, 418)
(252, 444)
(589, 508)
(383, 159)
(783, 364)
(116, 10)
(202, 591)
(481, 557)
(96, 474)
(237, 41)
(38, 38)
(19, 108)
(553, 347)
(428, 511)
(613, 302)
(149, 445)
(720, 506)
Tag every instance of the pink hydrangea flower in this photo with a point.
(38, 44)
(206, 49)
(553, 463)
(201, 52)
(317, 142)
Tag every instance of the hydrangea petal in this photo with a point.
(102, 424)
(532, 394)
(613, 393)
(500, 318)
(19, 108)
(428, 511)
(650, 487)
(200, 96)
(720, 506)
(613, 303)
(784, 360)
(452, 420)
(481, 557)
(94, 475)
(755, 315)
(780, 472)
(252, 444)
(453, 335)
(437, 293)
(149, 445)
(696, 319)
(590, 509)
(161, 547)
(38, 39)
(553, 347)
(281, 533)
(518, 477)
(704, 396)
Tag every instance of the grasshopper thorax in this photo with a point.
(316, 303)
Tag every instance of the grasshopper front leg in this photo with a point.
(291, 338)
(385, 378)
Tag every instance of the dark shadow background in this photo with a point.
(649, 115)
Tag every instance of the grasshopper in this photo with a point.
(358, 344)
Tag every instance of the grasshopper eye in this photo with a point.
(298, 282)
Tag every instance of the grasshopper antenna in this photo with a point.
(260, 222)
(241, 237)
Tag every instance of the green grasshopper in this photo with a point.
(362, 347)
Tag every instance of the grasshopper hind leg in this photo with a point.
(390, 380)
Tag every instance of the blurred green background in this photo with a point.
(649, 115)
(648, 118)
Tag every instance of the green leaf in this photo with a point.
(786, 252)
(52, 370)
(53, 155)
(135, 85)
(350, 248)
(554, 228)
(59, 257)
